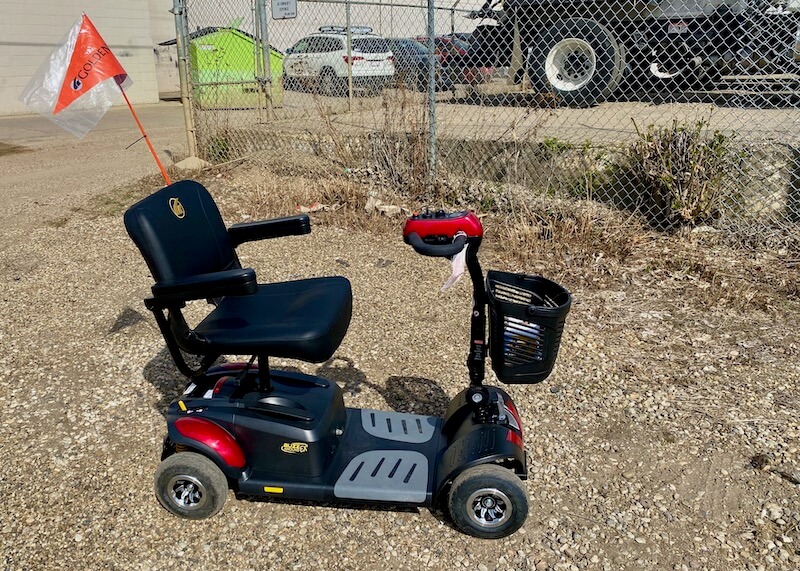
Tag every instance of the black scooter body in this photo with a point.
(299, 441)
(289, 436)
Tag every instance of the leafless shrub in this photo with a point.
(400, 148)
(680, 169)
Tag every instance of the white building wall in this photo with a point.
(162, 22)
(30, 30)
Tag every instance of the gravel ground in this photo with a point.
(666, 438)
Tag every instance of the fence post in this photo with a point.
(348, 23)
(266, 82)
(793, 191)
(179, 10)
(453, 22)
(431, 96)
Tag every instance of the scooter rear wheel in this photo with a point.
(488, 501)
(190, 485)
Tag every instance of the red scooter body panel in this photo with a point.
(214, 436)
(440, 224)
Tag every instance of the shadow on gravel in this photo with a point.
(162, 373)
(339, 505)
(416, 395)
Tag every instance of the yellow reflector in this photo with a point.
(182, 406)
(271, 490)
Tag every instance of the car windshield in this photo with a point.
(371, 45)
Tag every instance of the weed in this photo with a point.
(554, 146)
(219, 149)
(58, 222)
(114, 202)
(680, 169)
(400, 148)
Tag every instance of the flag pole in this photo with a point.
(146, 138)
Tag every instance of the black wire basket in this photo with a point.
(526, 318)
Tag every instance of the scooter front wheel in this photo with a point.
(190, 485)
(488, 501)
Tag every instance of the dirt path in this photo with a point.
(45, 171)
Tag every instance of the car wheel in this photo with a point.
(407, 80)
(488, 501)
(579, 59)
(329, 84)
(190, 485)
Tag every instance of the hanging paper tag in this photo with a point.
(459, 263)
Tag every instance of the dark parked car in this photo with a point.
(463, 36)
(448, 47)
(411, 65)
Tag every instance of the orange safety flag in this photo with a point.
(79, 82)
(91, 62)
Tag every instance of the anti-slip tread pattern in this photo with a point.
(385, 475)
(398, 426)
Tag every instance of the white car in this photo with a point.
(320, 61)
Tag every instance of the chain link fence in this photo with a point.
(686, 111)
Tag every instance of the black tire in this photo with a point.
(477, 487)
(580, 60)
(329, 84)
(290, 84)
(191, 486)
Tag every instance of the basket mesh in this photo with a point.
(526, 320)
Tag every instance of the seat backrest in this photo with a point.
(180, 232)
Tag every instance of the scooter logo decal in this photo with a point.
(177, 208)
(294, 447)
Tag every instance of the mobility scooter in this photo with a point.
(271, 433)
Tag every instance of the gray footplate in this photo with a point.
(398, 426)
(385, 475)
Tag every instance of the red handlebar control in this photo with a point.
(444, 225)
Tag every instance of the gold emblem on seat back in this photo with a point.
(177, 208)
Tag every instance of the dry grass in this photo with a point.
(586, 245)
(559, 237)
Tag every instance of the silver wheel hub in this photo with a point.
(187, 492)
(570, 64)
(489, 507)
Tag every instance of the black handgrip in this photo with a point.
(437, 250)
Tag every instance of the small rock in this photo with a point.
(790, 476)
(193, 164)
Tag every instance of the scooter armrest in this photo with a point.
(206, 286)
(264, 229)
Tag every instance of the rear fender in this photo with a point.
(211, 440)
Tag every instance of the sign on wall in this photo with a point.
(284, 9)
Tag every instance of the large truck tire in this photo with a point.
(580, 59)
